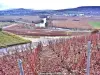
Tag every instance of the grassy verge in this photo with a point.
(7, 39)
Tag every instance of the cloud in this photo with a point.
(48, 4)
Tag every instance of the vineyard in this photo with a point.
(59, 57)
(68, 56)
(29, 30)
(72, 23)
(9, 63)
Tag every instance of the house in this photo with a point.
(41, 24)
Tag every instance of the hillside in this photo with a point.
(87, 10)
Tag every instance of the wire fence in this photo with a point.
(73, 53)
(79, 55)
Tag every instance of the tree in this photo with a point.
(95, 31)
(0, 29)
(46, 24)
(42, 21)
(32, 21)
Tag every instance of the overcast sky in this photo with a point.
(47, 4)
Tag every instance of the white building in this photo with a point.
(41, 24)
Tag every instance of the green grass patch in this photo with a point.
(95, 24)
(7, 39)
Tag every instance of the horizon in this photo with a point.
(46, 9)
(46, 5)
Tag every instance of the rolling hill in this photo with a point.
(86, 10)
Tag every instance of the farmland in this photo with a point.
(61, 56)
(29, 31)
(20, 18)
(7, 39)
(69, 56)
(72, 22)
(3, 24)
(96, 25)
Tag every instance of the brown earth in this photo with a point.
(72, 22)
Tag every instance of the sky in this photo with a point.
(46, 4)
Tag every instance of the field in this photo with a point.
(20, 18)
(42, 32)
(57, 21)
(73, 22)
(69, 57)
(2, 24)
(59, 57)
(31, 30)
(7, 39)
(96, 25)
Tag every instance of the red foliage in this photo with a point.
(72, 56)
(64, 55)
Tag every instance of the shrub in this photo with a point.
(46, 24)
(95, 31)
(0, 29)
